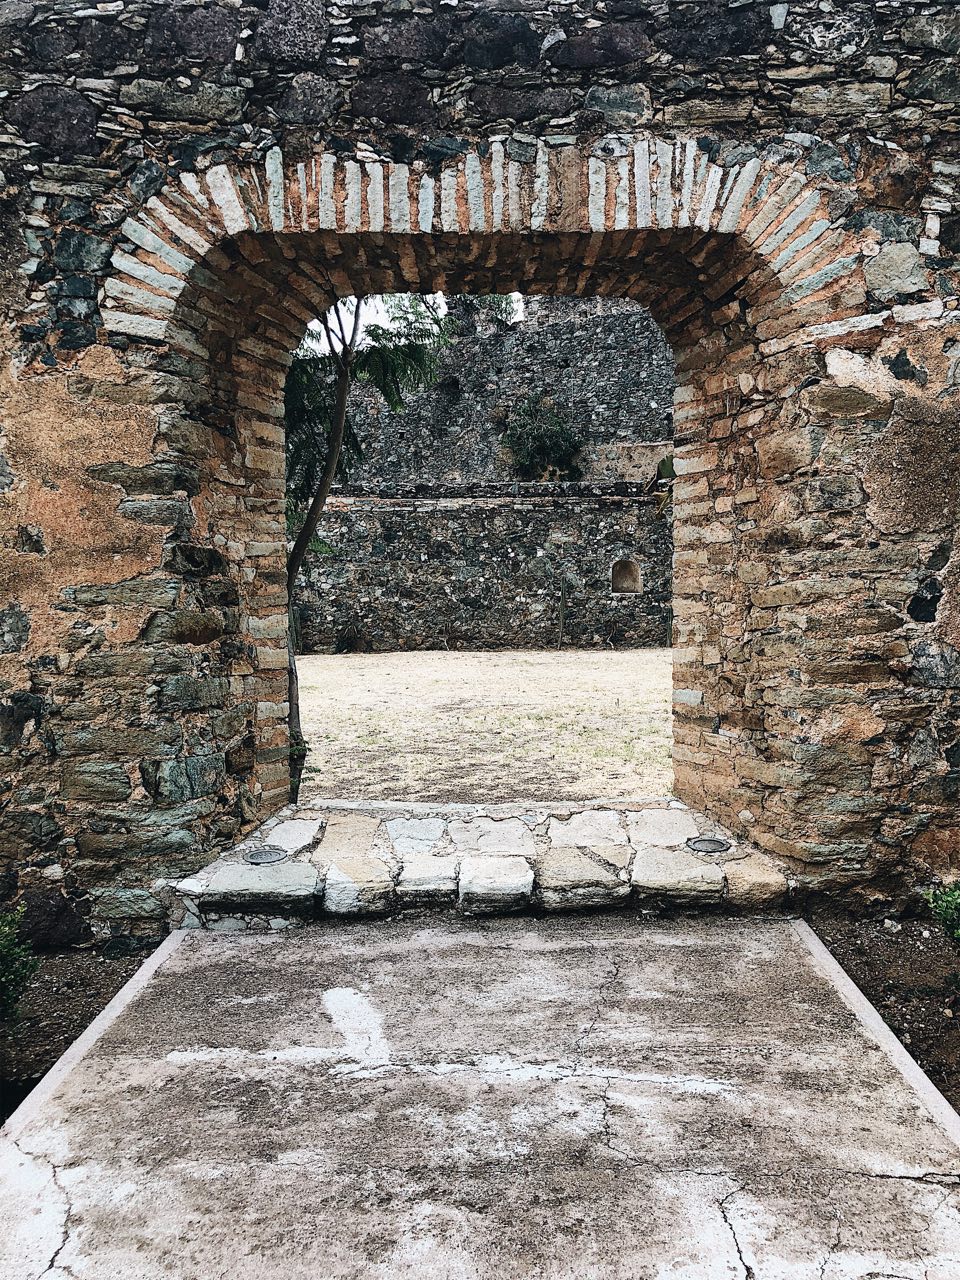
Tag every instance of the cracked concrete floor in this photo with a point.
(580, 1098)
(485, 727)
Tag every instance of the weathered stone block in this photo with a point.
(426, 878)
(755, 882)
(189, 626)
(937, 83)
(294, 835)
(828, 101)
(569, 879)
(583, 830)
(14, 628)
(204, 35)
(503, 836)
(494, 40)
(281, 884)
(293, 31)
(192, 693)
(358, 886)
(126, 904)
(347, 835)
(309, 99)
(222, 104)
(666, 828)
(494, 884)
(96, 781)
(613, 45)
(414, 835)
(675, 875)
(80, 251)
(897, 269)
(399, 99)
(59, 119)
(782, 452)
(137, 593)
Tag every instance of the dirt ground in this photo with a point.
(573, 724)
(66, 994)
(909, 970)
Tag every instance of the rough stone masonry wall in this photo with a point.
(495, 572)
(602, 361)
(185, 186)
(440, 545)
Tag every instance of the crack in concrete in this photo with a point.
(611, 978)
(835, 1244)
(66, 1228)
(748, 1271)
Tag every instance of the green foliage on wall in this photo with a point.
(18, 964)
(543, 443)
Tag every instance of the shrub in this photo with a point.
(18, 964)
(945, 905)
(542, 442)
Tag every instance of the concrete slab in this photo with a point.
(585, 1099)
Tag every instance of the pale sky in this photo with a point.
(374, 312)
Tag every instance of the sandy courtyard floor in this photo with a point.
(573, 724)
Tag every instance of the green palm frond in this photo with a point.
(396, 368)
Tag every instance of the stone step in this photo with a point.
(331, 859)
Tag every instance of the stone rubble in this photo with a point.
(369, 859)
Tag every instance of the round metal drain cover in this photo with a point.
(265, 854)
(707, 844)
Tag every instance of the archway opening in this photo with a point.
(240, 326)
(743, 293)
(459, 640)
(626, 578)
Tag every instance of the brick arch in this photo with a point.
(753, 281)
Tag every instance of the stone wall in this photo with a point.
(500, 571)
(442, 546)
(185, 186)
(601, 361)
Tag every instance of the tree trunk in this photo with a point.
(298, 744)
(312, 519)
(298, 749)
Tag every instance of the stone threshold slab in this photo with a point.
(335, 858)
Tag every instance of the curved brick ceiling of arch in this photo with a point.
(181, 188)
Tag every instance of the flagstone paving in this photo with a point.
(563, 1098)
(334, 858)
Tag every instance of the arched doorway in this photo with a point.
(758, 291)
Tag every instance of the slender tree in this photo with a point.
(395, 359)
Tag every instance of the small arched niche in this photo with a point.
(625, 578)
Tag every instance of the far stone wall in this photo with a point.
(435, 542)
(520, 571)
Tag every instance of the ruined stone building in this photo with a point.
(184, 187)
(438, 541)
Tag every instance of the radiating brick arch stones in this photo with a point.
(745, 269)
